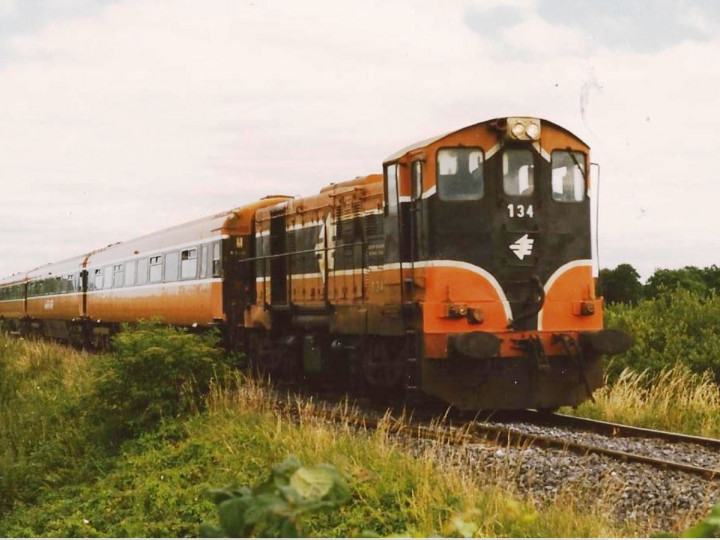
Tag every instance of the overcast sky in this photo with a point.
(122, 117)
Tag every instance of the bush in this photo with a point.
(678, 327)
(274, 507)
(155, 372)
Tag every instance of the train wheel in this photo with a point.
(383, 363)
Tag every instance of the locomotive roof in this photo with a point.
(431, 140)
(358, 181)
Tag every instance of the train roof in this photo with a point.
(355, 182)
(14, 279)
(60, 268)
(234, 221)
(237, 220)
(495, 121)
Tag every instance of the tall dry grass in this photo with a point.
(674, 400)
(400, 486)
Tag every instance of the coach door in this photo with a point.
(278, 262)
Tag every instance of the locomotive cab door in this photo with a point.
(416, 228)
(392, 278)
(413, 227)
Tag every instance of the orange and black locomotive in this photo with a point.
(463, 272)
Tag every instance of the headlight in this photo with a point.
(533, 131)
(518, 129)
(522, 128)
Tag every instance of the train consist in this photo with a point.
(462, 272)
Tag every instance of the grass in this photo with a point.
(58, 481)
(674, 400)
(42, 442)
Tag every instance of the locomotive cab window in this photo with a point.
(391, 181)
(460, 174)
(568, 176)
(518, 172)
(417, 181)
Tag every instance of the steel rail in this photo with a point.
(513, 436)
(477, 433)
(612, 429)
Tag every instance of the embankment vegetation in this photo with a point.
(133, 443)
(88, 447)
(669, 378)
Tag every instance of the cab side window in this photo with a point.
(460, 174)
(417, 180)
(391, 181)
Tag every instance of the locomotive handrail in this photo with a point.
(289, 254)
(276, 255)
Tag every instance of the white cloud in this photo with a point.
(7, 7)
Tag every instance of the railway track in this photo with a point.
(699, 456)
(684, 446)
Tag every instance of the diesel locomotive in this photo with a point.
(462, 272)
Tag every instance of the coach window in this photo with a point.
(391, 180)
(107, 277)
(188, 264)
(216, 259)
(203, 261)
(518, 172)
(70, 283)
(97, 279)
(156, 269)
(130, 268)
(460, 174)
(171, 266)
(568, 176)
(142, 272)
(118, 275)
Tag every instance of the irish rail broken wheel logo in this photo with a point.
(522, 247)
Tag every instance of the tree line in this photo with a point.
(622, 283)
